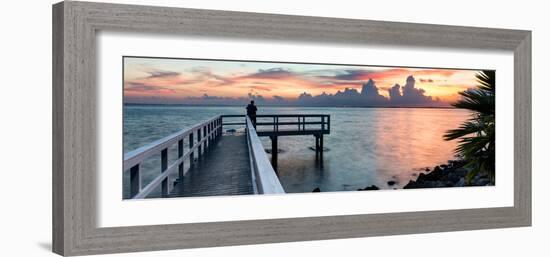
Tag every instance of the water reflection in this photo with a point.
(367, 146)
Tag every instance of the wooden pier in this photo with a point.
(222, 163)
(225, 170)
(274, 126)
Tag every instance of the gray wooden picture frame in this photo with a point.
(75, 25)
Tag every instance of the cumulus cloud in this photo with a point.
(278, 98)
(369, 96)
(370, 93)
(408, 95)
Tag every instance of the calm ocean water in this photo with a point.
(367, 146)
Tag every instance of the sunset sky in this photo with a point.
(154, 80)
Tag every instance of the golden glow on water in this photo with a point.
(367, 146)
(370, 147)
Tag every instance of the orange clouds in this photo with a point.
(238, 79)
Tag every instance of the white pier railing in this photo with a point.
(264, 178)
(200, 137)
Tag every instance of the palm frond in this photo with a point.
(486, 81)
(477, 101)
(476, 136)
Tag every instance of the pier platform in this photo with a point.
(213, 163)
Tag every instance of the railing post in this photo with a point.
(135, 181)
(192, 154)
(218, 127)
(322, 123)
(199, 142)
(274, 152)
(204, 138)
(214, 129)
(321, 146)
(208, 135)
(316, 144)
(212, 124)
(180, 154)
(163, 167)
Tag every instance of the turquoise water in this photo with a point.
(366, 146)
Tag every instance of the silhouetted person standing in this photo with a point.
(251, 112)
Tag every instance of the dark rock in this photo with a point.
(481, 182)
(411, 184)
(373, 187)
(428, 184)
(436, 174)
(427, 169)
(446, 175)
(453, 177)
(461, 172)
(440, 184)
(457, 164)
(231, 131)
(316, 190)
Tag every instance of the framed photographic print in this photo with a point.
(182, 128)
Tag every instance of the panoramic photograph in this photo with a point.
(199, 127)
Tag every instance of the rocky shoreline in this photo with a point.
(452, 174)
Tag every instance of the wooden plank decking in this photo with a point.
(223, 170)
(226, 167)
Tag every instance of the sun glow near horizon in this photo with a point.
(161, 80)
